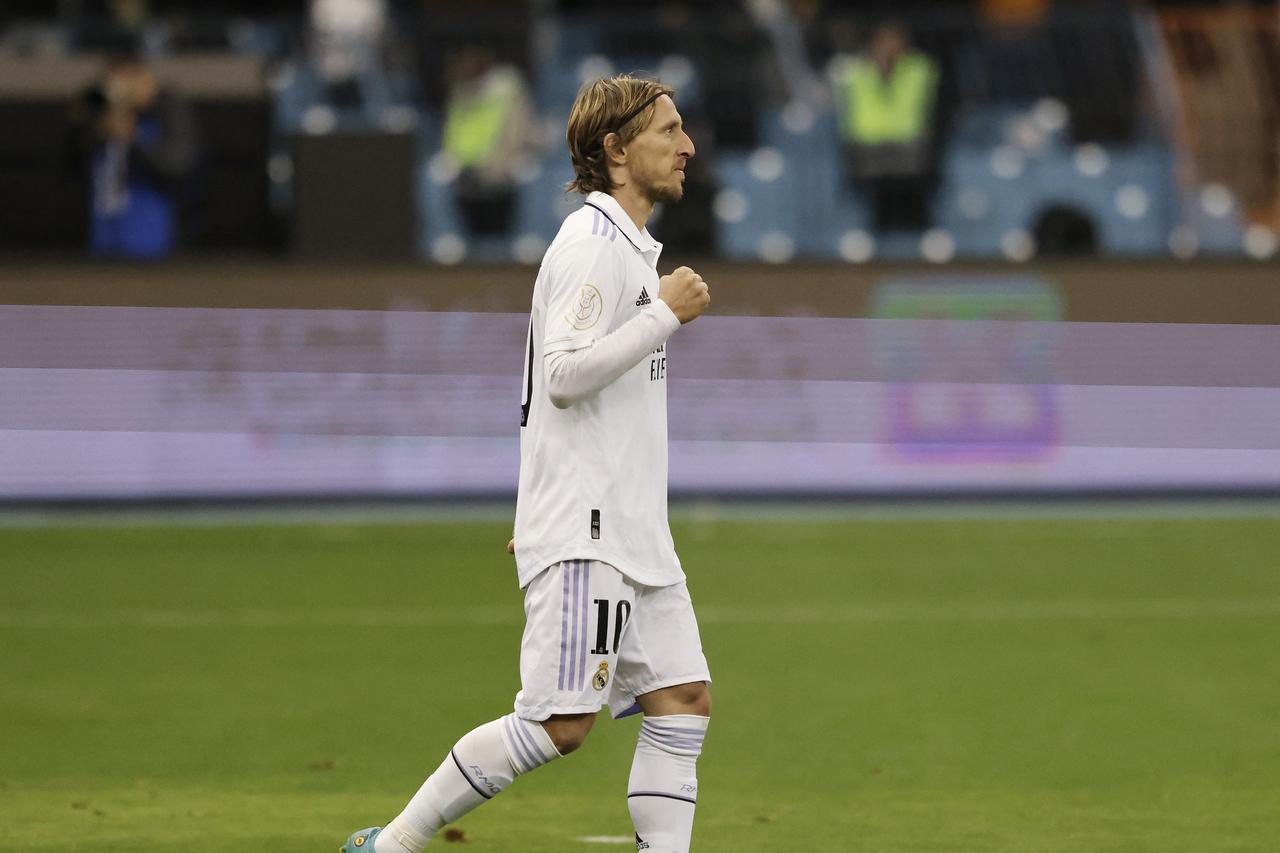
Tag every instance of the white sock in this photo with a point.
(663, 790)
(483, 763)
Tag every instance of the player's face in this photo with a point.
(659, 153)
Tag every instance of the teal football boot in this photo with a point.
(361, 841)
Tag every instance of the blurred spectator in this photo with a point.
(112, 25)
(489, 132)
(814, 20)
(346, 51)
(139, 145)
(734, 64)
(1014, 14)
(507, 28)
(1085, 54)
(797, 32)
(1102, 92)
(885, 102)
(739, 71)
(1012, 55)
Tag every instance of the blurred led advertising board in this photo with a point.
(955, 385)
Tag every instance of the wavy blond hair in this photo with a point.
(599, 110)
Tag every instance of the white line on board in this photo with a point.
(607, 839)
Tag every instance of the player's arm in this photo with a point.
(576, 373)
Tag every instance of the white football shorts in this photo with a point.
(594, 637)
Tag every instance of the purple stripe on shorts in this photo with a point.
(573, 634)
(564, 622)
(582, 652)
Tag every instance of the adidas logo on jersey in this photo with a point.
(644, 298)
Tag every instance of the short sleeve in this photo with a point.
(583, 289)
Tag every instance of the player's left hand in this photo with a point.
(511, 547)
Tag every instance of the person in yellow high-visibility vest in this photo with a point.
(885, 99)
(488, 133)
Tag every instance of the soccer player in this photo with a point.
(609, 620)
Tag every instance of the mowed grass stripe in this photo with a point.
(788, 614)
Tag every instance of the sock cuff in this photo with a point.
(405, 837)
(528, 744)
(682, 734)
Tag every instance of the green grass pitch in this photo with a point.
(897, 685)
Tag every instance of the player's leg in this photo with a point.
(662, 664)
(479, 767)
(554, 710)
(662, 791)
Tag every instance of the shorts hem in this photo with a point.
(530, 565)
(543, 713)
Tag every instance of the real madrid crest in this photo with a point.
(601, 678)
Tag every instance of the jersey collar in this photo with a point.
(642, 240)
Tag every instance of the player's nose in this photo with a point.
(686, 147)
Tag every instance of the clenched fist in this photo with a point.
(685, 293)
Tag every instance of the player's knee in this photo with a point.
(696, 697)
(693, 698)
(569, 731)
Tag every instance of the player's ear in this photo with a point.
(613, 149)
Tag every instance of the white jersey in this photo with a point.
(593, 476)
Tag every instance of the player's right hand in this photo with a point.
(685, 293)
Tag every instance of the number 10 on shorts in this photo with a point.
(620, 613)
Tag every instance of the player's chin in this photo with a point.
(671, 193)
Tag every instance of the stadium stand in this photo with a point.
(1162, 143)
